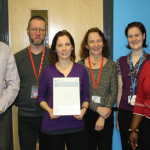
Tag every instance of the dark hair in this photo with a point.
(36, 18)
(84, 52)
(141, 27)
(53, 57)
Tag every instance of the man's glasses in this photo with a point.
(35, 30)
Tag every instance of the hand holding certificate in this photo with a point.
(82, 113)
(50, 111)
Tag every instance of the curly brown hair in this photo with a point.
(84, 52)
(53, 57)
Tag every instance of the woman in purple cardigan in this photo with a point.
(129, 68)
(58, 130)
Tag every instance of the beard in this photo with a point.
(36, 43)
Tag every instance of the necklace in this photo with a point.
(96, 62)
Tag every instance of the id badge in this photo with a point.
(34, 91)
(131, 100)
(96, 99)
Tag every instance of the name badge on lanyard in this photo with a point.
(131, 98)
(96, 99)
(34, 89)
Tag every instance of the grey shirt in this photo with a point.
(28, 106)
(107, 87)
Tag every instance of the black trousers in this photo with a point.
(29, 129)
(125, 119)
(101, 139)
(74, 141)
(146, 134)
(5, 130)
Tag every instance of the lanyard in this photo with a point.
(96, 85)
(133, 84)
(37, 77)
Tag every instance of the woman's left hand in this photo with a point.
(82, 113)
(133, 140)
(100, 124)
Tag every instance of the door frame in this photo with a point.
(108, 24)
(4, 26)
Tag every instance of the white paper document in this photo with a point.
(66, 96)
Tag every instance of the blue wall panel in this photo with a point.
(127, 11)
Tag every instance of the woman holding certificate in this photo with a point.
(64, 80)
(99, 121)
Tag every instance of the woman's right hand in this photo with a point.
(50, 111)
(104, 111)
(100, 124)
(117, 123)
(133, 140)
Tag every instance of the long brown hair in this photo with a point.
(53, 57)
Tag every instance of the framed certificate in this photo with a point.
(66, 96)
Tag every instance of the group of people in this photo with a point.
(101, 85)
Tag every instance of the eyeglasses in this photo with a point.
(34, 30)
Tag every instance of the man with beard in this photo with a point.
(9, 87)
(30, 63)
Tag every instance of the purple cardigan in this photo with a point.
(123, 68)
(46, 84)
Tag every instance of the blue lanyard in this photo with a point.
(133, 84)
